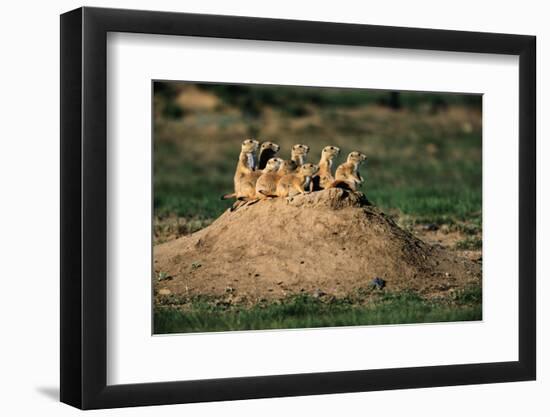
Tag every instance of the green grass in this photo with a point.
(421, 163)
(304, 311)
(470, 243)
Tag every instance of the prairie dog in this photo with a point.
(247, 157)
(266, 185)
(298, 154)
(267, 151)
(247, 183)
(324, 177)
(245, 167)
(347, 175)
(296, 182)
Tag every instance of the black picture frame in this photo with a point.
(84, 207)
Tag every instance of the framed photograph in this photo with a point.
(260, 208)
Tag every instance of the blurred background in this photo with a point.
(423, 149)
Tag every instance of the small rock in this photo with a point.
(378, 283)
(162, 276)
(256, 275)
(318, 293)
(165, 291)
(431, 227)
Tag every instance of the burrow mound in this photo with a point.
(332, 242)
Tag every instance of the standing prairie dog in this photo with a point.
(298, 154)
(296, 182)
(247, 188)
(347, 175)
(267, 151)
(324, 177)
(247, 183)
(266, 185)
(245, 167)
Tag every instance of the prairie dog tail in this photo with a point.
(228, 196)
(344, 185)
(267, 194)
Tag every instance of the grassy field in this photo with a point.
(424, 169)
(304, 311)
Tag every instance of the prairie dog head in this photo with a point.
(269, 145)
(356, 157)
(330, 152)
(249, 145)
(299, 151)
(308, 170)
(273, 165)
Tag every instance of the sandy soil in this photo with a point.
(330, 242)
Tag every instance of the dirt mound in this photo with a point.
(329, 242)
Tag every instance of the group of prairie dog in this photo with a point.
(260, 174)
